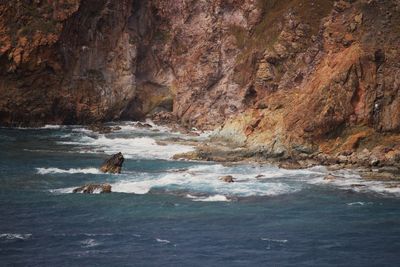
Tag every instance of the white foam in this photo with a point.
(47, 126)
(133, 126)
(67, 190)
(71, 171)
(10, 236)
(83, 130)
(165, 241)
(50, 126)
(283, 241)
(70, 190)
(102, 234)
(205, 179)
(359, 203)
(139, 147)
(214, 198)
(351, 180)
(89, 243)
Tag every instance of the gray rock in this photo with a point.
(227, 179)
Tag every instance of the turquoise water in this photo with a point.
(177, 213)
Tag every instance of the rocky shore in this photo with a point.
(379, 163)
(296, 83)
(370, 165)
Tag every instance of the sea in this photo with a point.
(165, 212)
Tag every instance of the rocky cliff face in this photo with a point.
(292, 76)
(65, 61)
(328, 81)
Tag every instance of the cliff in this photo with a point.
(284, 77)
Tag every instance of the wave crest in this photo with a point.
(70, 171)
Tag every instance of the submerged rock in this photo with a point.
(227, 179)
(357, 185)
(113, 164)
(93, 188)
(330, 177)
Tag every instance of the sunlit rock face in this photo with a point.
(290, 75)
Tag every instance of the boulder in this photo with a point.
(99, 128)
(113, 164)
(93, 188)
(227, 179)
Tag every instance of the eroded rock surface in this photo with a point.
(281, 79)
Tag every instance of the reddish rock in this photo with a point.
(113, 164)
(322, 70)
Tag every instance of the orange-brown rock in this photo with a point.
(288, 78)
(113, 164)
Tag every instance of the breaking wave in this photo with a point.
(70, 171)
(9, 236)
(139, 147)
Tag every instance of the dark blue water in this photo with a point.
(282, 220)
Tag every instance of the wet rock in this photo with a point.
(260, 176)
(178, 170)
(357, 185)
(143, 125)
(93, 188)
(330, 177)
(389, 169)
(335, 167)
(392, 186)
(193, 155)
(374, 161)
(113, 164)
(380, 176)
(163, 117)
(99, 128)
(290, 165)
(227, 179)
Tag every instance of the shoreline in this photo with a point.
(369, 165)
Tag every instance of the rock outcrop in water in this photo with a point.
(227, 179)
(93, 188)
(113, 164)
(285, 79)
